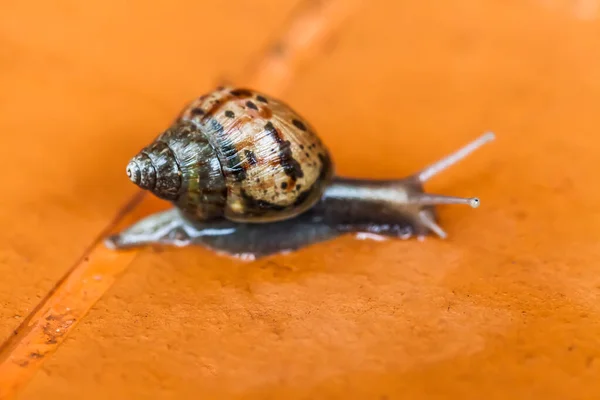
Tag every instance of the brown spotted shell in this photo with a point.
(239, 154)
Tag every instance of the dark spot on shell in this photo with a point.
(271, 129)
(298, 124)
(302, 146)
(261, 98)
(229, 153)
(197, 111)
(265, 112)
(229, 114)
(325, 166)
(251, 105)
(241, 93)
(215, 106)
(284, 185)
(237, 171)
(302, 197)
(307, 155)
(258, 207)
(291, 167)
(250, 157)
(298, 186)
(257, 180)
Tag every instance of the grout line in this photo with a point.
(64, 306)
(47, 326)
(11, 342)
(311, 27)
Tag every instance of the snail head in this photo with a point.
(155, 169)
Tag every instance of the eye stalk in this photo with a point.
(434, 169)
(350, 201)
(441, 165)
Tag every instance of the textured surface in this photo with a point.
(507, 307)
(83, 88)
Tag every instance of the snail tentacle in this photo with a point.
(399, 207)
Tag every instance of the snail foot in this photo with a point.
(240, 240)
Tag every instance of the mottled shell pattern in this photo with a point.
(239, 154)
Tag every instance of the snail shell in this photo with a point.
(238, 154)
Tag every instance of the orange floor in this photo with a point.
(507, 307)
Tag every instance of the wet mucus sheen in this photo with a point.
(245, 156)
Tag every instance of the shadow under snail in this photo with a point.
(249, 177)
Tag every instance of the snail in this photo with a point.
(249, 177)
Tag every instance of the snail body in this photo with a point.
(248, 175)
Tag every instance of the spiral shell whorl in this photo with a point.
(141, 172)
(181, 166)
(155, 169)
